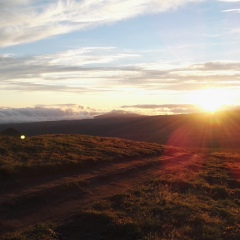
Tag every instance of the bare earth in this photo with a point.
(59, 197)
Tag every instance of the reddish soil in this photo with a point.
(59, 197)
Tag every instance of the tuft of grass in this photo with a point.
(42, 231)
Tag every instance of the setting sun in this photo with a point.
(211, 100)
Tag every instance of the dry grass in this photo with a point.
(201, 205)
(36, 155)
(188, 205)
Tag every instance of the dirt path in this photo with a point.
(58, 198)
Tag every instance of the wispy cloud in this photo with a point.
(84, 71)
(237, 10)
(83, 56)
(80, 70)
(233, 7)
(230, 1)
(28, 20)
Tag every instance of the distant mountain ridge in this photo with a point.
(118, 114)
(220, 130)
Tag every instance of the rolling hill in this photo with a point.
(217, 131)
(59, 187)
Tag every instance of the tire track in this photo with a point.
(58, 199)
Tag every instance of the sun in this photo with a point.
(210, 100)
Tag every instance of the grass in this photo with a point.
(190, 205)
(42, 231)
(40, 154)
(201, 203)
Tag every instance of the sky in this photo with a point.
(75, 59)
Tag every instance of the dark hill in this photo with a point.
(11, 132)
(220, 130)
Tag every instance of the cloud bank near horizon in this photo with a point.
(165, 108)
(58, 112)
(46, 113)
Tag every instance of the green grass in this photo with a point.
(40, 154)
(198, 204)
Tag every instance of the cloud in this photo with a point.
(85, 71)
(46, 113)
(62, 106)
(184, 78)
(232, 10)
(83, 56)
(165, 108)
(155, 106)
(28, 21)
(69, 71)
(162, 109)
(230, 1)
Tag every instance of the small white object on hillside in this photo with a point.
(23, 137)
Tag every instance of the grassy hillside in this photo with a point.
(200, 203)
(182, 195)
(49, 153)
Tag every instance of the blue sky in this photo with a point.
(74, 59)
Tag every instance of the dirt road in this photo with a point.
(59, 197)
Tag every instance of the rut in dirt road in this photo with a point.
(60, 198)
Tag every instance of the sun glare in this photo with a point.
(210, 100)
